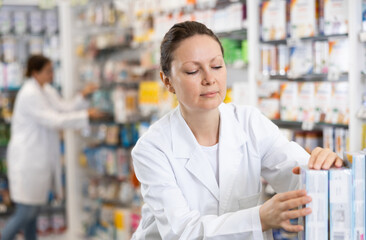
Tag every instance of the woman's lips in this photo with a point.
(209, 94)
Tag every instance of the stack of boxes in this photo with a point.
(339, 194)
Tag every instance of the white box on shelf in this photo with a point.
(340, 204)
(339, 111)
(321, 56)
(338, 55)
(301, 59)
(357, 163)
(315, 182)
(306, 102)
(335, 17)
(289, 101)
(273, 20)
(303, 18)
(328, 138)
(323, 100)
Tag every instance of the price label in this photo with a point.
(333, 75)
(307, 125)
(293, 41)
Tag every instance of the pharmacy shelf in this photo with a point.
(11, 89)
(44, 209)
(111, 49)
(300, 125)
(128, 83)
(240, 34)
(315, 38)
(105, 177)
(310, 78)
(131, 120)
(115, 203)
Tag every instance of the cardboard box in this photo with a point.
(315, 182)
(340, 204)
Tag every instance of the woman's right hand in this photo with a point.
(276, 212)
(94, 113)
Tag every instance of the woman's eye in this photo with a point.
(217, 67)
(192, 72)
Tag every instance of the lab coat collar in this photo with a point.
(231, 139)
(184, 142)
(36, 83)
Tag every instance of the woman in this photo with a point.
(34, 148)
(200, 165)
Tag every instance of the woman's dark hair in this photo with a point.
(176, 35)
(36, 63)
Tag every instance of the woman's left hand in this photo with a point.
(322, 158)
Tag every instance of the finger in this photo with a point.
(296, 170)
(290, 195)
(292, 214)
(320, 159)
(314, 155)
(330, 159)
(292, 228)
(294, 203)
(339, 162)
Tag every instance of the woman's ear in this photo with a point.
(167, 82)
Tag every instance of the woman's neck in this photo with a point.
(41, 84)
(204, 125)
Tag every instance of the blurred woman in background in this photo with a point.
(33, 156)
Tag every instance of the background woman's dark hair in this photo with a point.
(36, 63)
(177, 34)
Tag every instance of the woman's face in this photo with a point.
(198, 74)
(45, 75)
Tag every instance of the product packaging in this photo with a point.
(338, 57)
(273, 20)
(303, 18)
(315, 182)
(313, 139)
(340, 107)
(357, 163)
(306, 102)
(265, 59)
(289, 101)
(335, 17)
(340, 141)
(283, 59)
(20, 22)
(300, 138)
(36, 22)
(340, 204)
(328, 138)
(321, 57)
(6, 23)
(323, 100)
(363, 15)
(122, 223)
(270, 107)
(301, 59)
(9, 49)
(269, 98)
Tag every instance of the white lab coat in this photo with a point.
(180, 191)
(34, 148)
